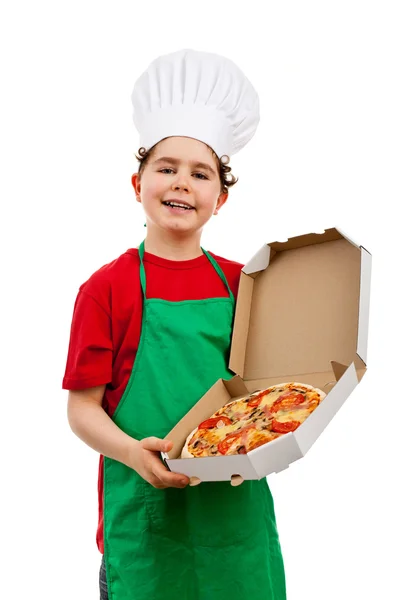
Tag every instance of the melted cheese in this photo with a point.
(299, 415)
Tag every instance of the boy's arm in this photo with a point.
(90, 422)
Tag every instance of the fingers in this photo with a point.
(169, 479)
(156, 444)
(235, 480)
(194, 481)
(159, 476)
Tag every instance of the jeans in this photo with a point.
(103, 581)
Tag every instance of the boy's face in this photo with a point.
(172, 174)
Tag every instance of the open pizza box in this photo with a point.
(302, 315)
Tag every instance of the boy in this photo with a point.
(151, 334)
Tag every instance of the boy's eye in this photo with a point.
(202, 176)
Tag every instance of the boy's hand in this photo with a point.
(144, 459)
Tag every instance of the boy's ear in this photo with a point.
(222, 198)
(136, 185)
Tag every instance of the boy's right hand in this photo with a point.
(144, 459)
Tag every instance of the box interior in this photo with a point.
(300, 313)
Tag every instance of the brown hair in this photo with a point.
(226, 177)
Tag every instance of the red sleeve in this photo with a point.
(89, 361)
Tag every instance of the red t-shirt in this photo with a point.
(107, 319)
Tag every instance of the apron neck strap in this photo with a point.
(210, 258)
(220, 272)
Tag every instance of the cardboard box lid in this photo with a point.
(302, 304)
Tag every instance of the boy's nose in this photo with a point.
(181, 186)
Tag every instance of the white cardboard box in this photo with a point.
(302, 315)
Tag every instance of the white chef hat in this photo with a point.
(199, 95)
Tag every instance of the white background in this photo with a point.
(326, 154)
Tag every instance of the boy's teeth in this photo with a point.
(178, 205)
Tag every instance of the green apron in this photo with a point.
(208, 542)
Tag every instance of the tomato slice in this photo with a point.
(254, 402)
(279, 427)
(230, 439)
(236, 436)
(210, 423)
(287, 402)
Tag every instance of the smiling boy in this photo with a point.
(151, 333)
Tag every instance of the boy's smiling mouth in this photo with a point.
(177, 205)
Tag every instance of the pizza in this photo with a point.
(253, 420)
